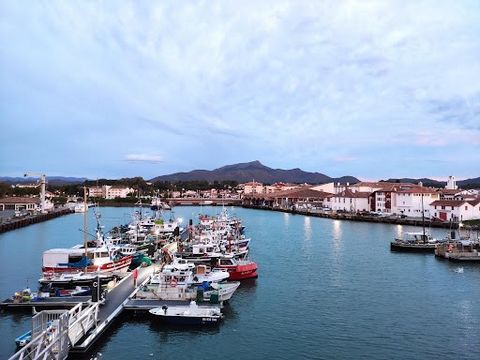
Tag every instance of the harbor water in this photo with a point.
(327, 289)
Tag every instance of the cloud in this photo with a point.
(151, 158)
(293, 83)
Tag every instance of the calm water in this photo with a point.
(327, 289)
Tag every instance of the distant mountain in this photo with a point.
(53, 180)
(424, 181)
(254, 170)
(463, 184)
(469, 183)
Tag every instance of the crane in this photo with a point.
(43, 183)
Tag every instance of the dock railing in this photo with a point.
(55, 331)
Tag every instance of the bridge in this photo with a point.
(199, 201)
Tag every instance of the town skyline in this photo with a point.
(77, 178)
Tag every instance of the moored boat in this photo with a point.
(190, 314)
(23, 339)
(238, 269)
(461, 250)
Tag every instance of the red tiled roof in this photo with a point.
(454, 203)
(448, 191)
(252, 183)
(347, 193)
(416, 190)
(474, 202)
(300, 193)
(292, 194)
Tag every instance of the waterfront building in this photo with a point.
(328, 187)
(253, 187)
(109, 192)
(20, 203)
(348, 200)
(409, 200)
(455, 210)
(298, 198)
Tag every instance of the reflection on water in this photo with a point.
(286, 219)
(307, 228)
(398, 232)
(337, 234)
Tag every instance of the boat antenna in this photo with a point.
(85, 225)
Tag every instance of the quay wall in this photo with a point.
(32, 219)
(355, 217)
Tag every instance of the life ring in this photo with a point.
(173, 281)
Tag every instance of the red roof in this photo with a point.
(347, 193)
(252, 183)
(454, 203)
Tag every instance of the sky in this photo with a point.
(373, 89)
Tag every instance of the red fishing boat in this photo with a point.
(238, 269)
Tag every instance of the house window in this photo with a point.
(443, 207)
(466, 207)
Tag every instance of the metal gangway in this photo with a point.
(54, 332)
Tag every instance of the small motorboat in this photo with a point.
(24, 339)
(189, 314)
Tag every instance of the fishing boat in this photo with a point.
(460, 250)
(190, 314)
(88, 260)
(75, 278)
(181, 285)
(415, 242)
(238, 269)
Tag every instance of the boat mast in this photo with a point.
(423, 221)
(85, 225)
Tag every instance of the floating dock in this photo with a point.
(114, 303)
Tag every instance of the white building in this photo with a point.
(451, 183)
(350, 201)
(110, 192)
(455, 210)
(409, 200)
(20, 203)
(253, 187)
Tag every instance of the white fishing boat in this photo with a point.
(191, 314)
(180, 285)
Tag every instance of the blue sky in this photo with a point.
(374, 89)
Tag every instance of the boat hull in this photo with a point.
(114, 266)
(190, 321)
(241, 272)
(419, 248)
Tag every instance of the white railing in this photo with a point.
(55, 331)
